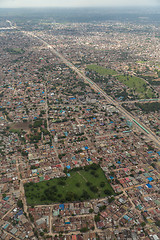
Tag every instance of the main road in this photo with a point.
(151, 135)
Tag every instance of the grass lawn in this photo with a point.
(102, 70)
(141, 62)
(81, 185)
(15, 50)
(138, 85)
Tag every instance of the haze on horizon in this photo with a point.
(80, 3)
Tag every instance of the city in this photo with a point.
(80, 129)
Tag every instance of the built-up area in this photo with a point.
(53, 122)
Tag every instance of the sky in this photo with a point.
(76, 3)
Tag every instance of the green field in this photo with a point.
(102, 70)
(141, 62)
(15, 50)
(138, 85)
(88, 183)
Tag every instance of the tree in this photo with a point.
(35, 233)
(117, 181)
(3, 195)
(84, 229)
(102, 184)
(111, 199)
(85, 195)
(93, 188)
(102, 208)
(97, 218)
(91, 210)
(31, 217)
(20, 203)
(61, 182)
(157, 223)
(78, 184)
(70, 196)
(88, 183)
(108, 192)
(143, 224)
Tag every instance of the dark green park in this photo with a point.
(82, 184)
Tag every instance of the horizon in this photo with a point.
(81, 4)
(84, 7)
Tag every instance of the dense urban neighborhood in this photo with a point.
(79, 129)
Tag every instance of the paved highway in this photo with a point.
(151, 135)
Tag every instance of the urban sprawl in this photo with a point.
(79, 131)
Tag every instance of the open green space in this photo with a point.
(102, 70)
(15, 50)
(82, 184)
(141, 62)
(138, 86)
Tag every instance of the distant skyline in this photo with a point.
(75, 3)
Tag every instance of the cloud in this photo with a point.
(76, 3)
(6, 2)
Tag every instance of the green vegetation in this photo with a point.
(137, 85)
(83, 184)
(158, 223)
(152, 80)
(38, 126)
(20, 203)
(141, 62)
(143, 224)
(97, 218)
(149, 107)
(101, 70)
(37, 123)
(14, 50)
(84, 229)
(34, 138)
(12, 130)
